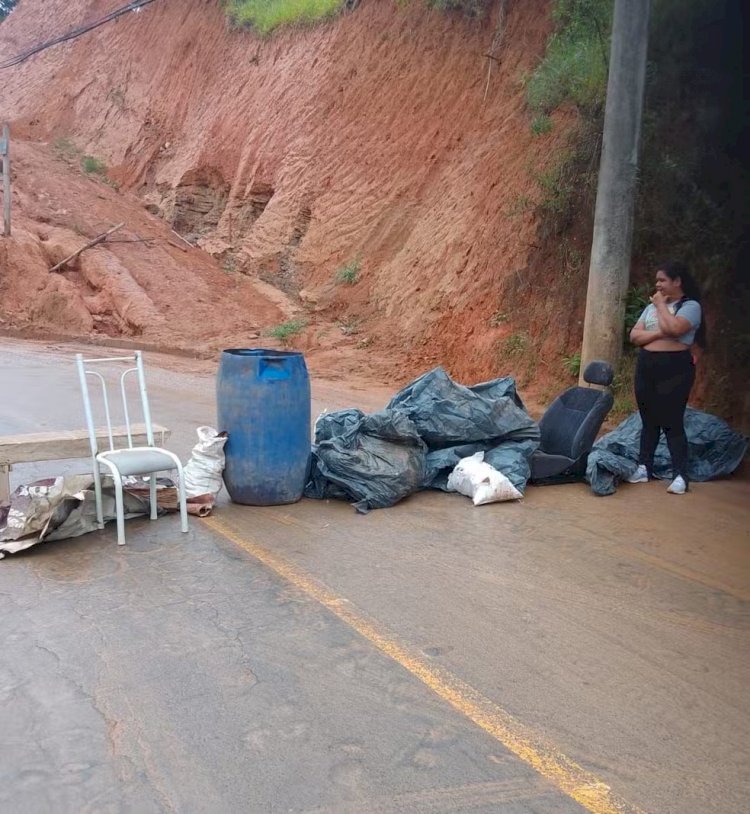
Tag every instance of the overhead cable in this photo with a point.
(136, 5)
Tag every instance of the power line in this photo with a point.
(136, 5)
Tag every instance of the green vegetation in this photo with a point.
(287, 330)
(520, 204)
(573, 70)
(636, 300)
(348, 274)
(541, 124)
(558, 186)
(574, 67)
(266, 15)
(499, 318)
(514, 345)
(622, 387)
(572, 364)
(472, 8)
(92, 165)
(66, 148)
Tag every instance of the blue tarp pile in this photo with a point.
(715, 451)
(378, 459)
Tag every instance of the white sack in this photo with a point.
(203, 470)
(481, 482)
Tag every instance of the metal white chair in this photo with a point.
(130, 460)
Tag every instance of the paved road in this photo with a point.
(432, 657)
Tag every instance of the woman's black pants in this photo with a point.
(663, 380)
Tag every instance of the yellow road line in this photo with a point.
(583, 787)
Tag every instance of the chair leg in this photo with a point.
(119, 509)
(119, 501)
(183, 497)
(98, 495)
(152, 494)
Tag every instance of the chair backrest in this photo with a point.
(85, 371)
(571, 423)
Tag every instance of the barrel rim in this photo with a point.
(252, 352)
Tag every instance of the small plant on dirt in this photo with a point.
(557, 185)
(499, 318)
(515, 345)
(287, 330)
(520, 204)
(471, 8)
(541, 124)
(572, 364)
(348, 274)
(93, 166)
(65, 148)
(622, 407)
(349, 327)
(365, 342)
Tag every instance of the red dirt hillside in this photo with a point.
(376, 138)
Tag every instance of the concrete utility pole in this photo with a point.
(609, 272)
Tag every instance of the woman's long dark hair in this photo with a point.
(690, 288)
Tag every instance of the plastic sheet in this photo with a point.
(715, 450)
(426, 429)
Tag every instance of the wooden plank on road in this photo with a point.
(63, 444)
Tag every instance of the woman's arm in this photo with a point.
(669, 324)
(639, 336)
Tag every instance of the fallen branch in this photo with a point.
(95, 242)
(186, 242)
(497, 40)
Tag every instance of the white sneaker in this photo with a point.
(640, 475)
(678, 486)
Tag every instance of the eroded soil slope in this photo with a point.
(386, 139)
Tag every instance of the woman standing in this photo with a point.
(665, 371)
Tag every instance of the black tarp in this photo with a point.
(378, 459)
(715, 450)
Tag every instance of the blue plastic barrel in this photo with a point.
(263, 402)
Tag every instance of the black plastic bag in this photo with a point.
(376, 460)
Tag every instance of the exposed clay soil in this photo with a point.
(377, 137)
(145, 285)
(385, 138)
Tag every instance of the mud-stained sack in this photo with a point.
(481, 482)
(203, 470)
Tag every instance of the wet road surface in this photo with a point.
(563, 654)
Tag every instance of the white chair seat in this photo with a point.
(139, 461)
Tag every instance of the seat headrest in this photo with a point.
(598, 372)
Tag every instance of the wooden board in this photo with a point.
(62, 444)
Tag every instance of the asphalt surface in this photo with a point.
(563, 654)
